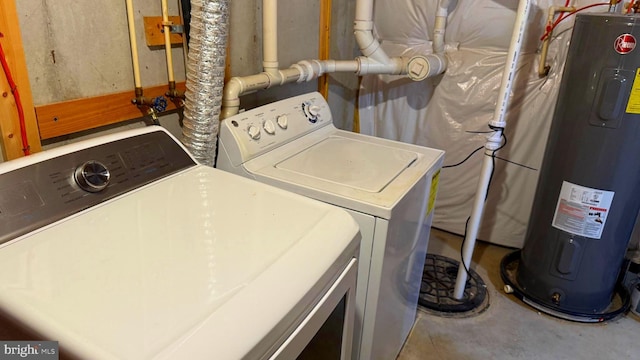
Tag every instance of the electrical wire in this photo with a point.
(16, 95)
(486, 195)
(465, 159)
(549, 28)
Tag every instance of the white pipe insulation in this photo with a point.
(205, 77)
(493, 143)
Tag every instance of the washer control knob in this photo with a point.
(314, 111)
(269, 127)
(92, 176)
(254, 132)
(311, 111)
(282, 121)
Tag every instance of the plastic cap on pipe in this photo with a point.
(421, 67)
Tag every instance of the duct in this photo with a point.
(205, 77)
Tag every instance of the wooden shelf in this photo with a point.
(71, 116)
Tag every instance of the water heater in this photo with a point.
(588, 194)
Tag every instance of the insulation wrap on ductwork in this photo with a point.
(205, 77)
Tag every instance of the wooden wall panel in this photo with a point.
(11, 41)
(72, 116)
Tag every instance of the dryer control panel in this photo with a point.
(262, 129)
(55, 184)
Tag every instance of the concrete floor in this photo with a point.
(509, 329)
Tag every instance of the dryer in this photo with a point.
(388, 187)
(123, 247)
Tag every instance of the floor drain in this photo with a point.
(438, 282)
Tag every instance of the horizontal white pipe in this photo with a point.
(394, 66)
(493, 143)
(237, 86)
(270, 35)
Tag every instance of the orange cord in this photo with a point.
(16, 95)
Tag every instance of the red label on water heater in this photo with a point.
(624, 44)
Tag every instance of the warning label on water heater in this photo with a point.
(581, 210)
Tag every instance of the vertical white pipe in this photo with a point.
(511, 63)
(134, 44)
(270, 35)
(493, 143)
(440, 25)
(364, 10)
(167, 39)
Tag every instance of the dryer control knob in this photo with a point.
(282, 121)
(269, 127)
(254, 132)
(92, 176)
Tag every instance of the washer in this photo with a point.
(122, 247)
(388, 187)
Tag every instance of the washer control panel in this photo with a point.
(259, 130)
(49, 190)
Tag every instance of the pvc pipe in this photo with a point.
(134, 45)
(167, 39)
(363, 32)
(393, 66)
(493, 143)
(364, 10)
(270, 35)
(238, 86)
(440, 25)
(511, 63)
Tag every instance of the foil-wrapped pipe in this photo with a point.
(205, 77)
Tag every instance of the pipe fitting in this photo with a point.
(173, 93)
(395, 66)
(421, 67)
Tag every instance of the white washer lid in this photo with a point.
(357, 164)
(203, 264)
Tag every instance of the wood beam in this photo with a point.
(72, 116)
(324, 44)
(11, 41)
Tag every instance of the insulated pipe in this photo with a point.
(205, 77)
(172, 93)
(134, 45)
(270, 36)
(543, 68)
(493, 143)
(167, 39)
